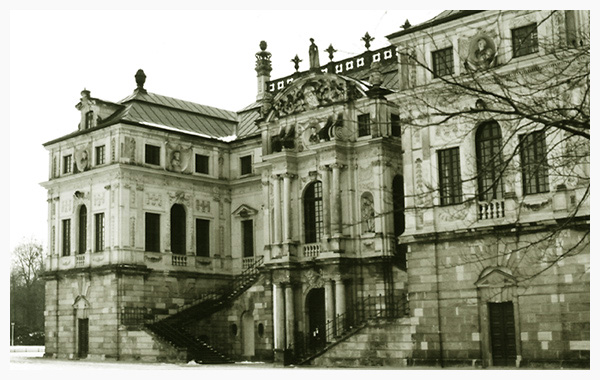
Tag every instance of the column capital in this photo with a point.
(288, 175)
(275, 176)
(338, 166)
(324, 168)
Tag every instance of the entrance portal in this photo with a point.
(315, 305)
(83, 337)
(502, 332)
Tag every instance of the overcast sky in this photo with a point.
(202, 56)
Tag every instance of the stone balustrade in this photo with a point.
(312, 250)
(493, 209)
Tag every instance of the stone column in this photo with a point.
(287, 220)
(289, 317)
(329, 307)
(336, 210)
(276, 210)
(326, 202)
(340, 302)
(279, 321)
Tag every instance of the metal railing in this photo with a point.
(364, 310)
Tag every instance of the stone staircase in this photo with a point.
(172, 329)
(380, 342)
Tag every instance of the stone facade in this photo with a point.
(328, 186)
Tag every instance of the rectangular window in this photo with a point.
(248, 238)
(246, 165)
(66, 237)
(364, 125)
(201, 164)
(533, 163)
(67, 164)
(443, 62)
(152, 232)
(100, 155)
(396, 131)
(449, 176)
(202, 238)
(524, 40)
(152, 154)
(99, 232)
(89, 119)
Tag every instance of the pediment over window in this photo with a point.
(245, 211)
(495, 277)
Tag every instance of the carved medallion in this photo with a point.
(482, 52)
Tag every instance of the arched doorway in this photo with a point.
(178, 229)
(315, 307)
(248, 334)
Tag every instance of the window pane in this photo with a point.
(395, 119)
(178, 229)
(67, 164)
(100, 155)
(82, 229)
(66, 237)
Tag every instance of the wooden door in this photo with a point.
(502, 333)
(83, 339)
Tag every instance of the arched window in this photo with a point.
(178, 229)
(82, 235)
(313, 212)
(488, 143)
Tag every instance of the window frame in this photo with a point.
(152, 154)
(364, 124)
(436, 68)
(82, 230)
(396, 129)
(450, 186)
(202, 245)
(488, 151)
(247, 238)
(99, 232)
(204, 165)
(524, 40)
(66, 237)
(67, 164)
(313, 212)
(152, 238)
(100, 154)
(538, 162)
(246, 168)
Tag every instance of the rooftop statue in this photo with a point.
(313, 55)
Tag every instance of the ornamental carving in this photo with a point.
(313, 93)
(314, 279)
(82, 158)
(482, 52)
(203, 206)
(153, 199)
(128, 150)
(179, 197)
(99, 199)
(178, 158)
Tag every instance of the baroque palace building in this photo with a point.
(344, 218)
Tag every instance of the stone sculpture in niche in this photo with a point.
(367, 212)
(482, 53)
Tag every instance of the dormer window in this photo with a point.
(89, 119)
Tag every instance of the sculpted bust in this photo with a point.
(482, 53)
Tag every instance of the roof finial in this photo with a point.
(367, 38)
(263, 60)
(406, 25)
(330, 50)
(140, 79)
(296, 61)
